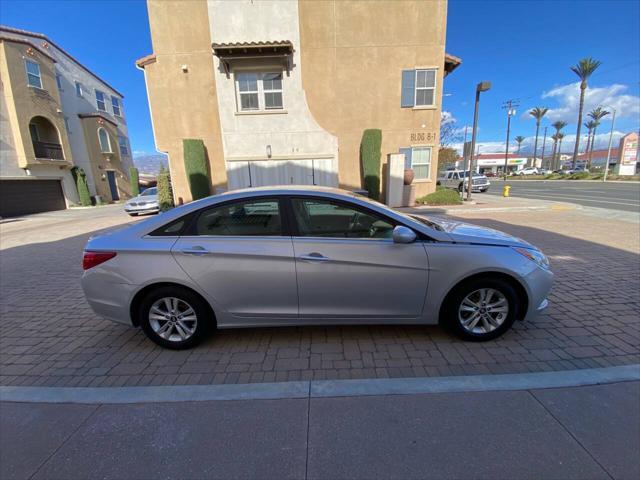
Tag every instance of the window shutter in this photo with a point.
(408, 88)
(407, 156)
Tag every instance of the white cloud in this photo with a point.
(568, 98)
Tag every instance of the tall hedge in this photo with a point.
(165, 194)
(195, 164)
(81, 184)
(370, 159)
(135, 181)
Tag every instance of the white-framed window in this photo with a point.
(66, 125)
(34, 78)
(115, 105)
(59, 81)
(122, 143)
(421, 162)
(256, 91)
(105, 141)
(79, 89)
(35, 134)
(425, 88)
(100, 101)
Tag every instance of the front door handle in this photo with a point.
(197, 250)
(314, 257)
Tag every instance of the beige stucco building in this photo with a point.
(56, 114)
(281, 91)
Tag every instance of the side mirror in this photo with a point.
(402, 234)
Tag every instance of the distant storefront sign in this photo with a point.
(629, 149)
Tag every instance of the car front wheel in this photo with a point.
(174, 317)
(481, 309)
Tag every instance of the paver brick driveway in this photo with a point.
(50, 337)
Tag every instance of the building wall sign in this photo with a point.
(422, 137)
(629, 150)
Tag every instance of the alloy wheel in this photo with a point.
(173, 319)
(483, 310)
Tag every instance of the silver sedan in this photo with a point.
(146, 202)
(309, 256)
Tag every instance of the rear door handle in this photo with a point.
(314, 257)
(197, 250)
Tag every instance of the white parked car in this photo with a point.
(146, 202)
(458, 179)
(529, 171)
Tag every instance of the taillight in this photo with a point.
(92, 259)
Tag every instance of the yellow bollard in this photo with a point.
(505, 191)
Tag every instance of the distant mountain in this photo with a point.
(151, 163)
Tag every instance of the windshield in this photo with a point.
(149, 191)
(475, 174)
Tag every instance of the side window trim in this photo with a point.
(190, 230)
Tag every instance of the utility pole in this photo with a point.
(481, 87)
(544, 142)
(606, 167)
(509, 105)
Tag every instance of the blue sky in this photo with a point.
(525, 48)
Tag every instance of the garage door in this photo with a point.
(20, 197)
(282, 172)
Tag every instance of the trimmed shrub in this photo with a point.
(80, 179)
(370, 159)
(165, 194)
(442, 196)
(580, 176)
(135, 182)
(195, 164)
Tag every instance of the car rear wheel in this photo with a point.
(481, 309)
(174, 317)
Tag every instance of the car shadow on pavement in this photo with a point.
(49, 335)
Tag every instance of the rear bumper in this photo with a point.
(107, 299)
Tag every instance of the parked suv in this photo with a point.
(529, 171)
(458, 179)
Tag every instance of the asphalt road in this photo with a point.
(614, 195)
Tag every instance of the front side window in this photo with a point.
(33, 74)
(115, 105)
(259, 91)
(105, 143)
(324, 218)
(79, 90)
(122, 142)
(421, 162)
(425, 87)
(100, 101)
(248, 218)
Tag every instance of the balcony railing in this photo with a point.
(48, 150)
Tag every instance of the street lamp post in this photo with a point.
(544, 142)
(606, 166)
(481, 87)
(510, 113)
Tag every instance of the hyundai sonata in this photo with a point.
(309, 256)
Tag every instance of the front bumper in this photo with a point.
(538, 285)
(141, 208)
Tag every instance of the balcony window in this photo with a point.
(100, 101)
(115, 105)
(45, 139)
(79, 90)
(259, 91)
(33, 74)
(105, 141)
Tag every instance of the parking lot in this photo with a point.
(50, 337)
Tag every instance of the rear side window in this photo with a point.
(246, 218)
(174, 228)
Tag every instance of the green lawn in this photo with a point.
(442, 196)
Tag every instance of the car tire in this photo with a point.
(460, 187)
(133, 214)
(187, 317)
(455, 310)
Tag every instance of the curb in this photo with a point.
(321, 388)
(449, 211)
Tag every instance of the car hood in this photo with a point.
(144, 198)
(461, 232)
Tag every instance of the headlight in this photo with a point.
(536, 256)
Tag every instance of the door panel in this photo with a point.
(113, 187)
(360, 277)
(252, 276)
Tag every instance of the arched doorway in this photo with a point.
(45, 139)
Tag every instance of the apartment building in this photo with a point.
(56, 114)
(280, 91)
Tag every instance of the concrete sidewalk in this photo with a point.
(579, 432)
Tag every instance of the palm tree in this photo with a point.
(554, 137)
(519, 139)
(537, 113)
(583, 69)
(559, 125)
(590, 126)
(596, 114)
(560, 136)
